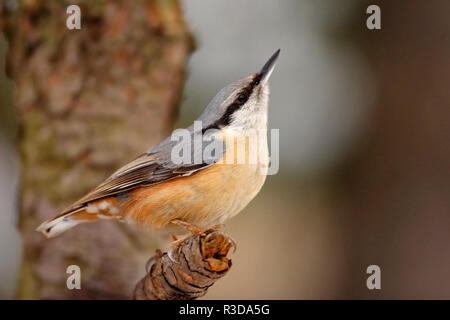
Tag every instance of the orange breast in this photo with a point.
(207, 197)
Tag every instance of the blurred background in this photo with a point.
(364, 147)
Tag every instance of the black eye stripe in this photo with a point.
(237, 103)
(242, 98)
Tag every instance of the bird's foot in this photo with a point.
(174, 245)
(192, 228)
(157, 256)
(221, 227)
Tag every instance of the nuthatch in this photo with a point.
(154, 191)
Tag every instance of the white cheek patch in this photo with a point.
(253, 115)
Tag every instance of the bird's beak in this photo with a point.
(267, 70)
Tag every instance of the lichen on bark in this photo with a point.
(87, 102)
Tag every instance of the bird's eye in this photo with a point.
(242, 98)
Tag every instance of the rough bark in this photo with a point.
(193, 266)
(87, 102)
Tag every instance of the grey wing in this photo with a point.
(152, 167)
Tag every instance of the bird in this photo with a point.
(157, 192)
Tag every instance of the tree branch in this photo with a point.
(187, 270)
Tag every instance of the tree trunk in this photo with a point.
(88, 101)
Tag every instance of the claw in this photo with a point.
(188, 226)
(173, 246)
(171, 257)
(230, 240)
(219, 227)
(148, 265)
(233, 244)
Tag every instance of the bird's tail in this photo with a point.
(59, 224)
